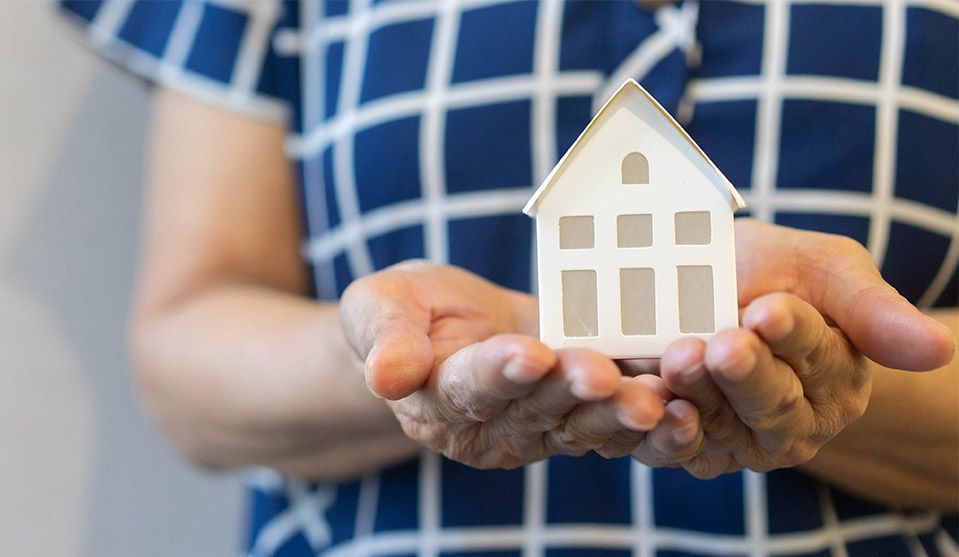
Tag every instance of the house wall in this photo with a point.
(590, 184)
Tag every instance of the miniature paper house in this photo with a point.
(634, 230)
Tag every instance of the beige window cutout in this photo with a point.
(637, 298)
(696, 303)
(635, 169)
(580, 317)
(693, 228)
(576, 233)
(634, 231)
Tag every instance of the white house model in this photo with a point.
(634, 231)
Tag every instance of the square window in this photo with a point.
(840, 41)
(397, 58)
(217, 43)
(385, 163)
(495, 41)
(576, 233)
(693, 228)
(932, 48)
(926, 160)
(826, 145)
(580, 316)
(634, 231)
(731, 35)
(488, 147)
(727, 132)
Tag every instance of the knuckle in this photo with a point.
(559, 443)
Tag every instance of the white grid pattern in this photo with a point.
(435, 209)
(307, 509)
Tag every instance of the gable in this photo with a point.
(631, 103)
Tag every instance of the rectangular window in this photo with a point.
(576, 233)
(580, 317)
(637, 301)
(696, 303)
(634, 231)
(693, 228)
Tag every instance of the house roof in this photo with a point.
(629, 87)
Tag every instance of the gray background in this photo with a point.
(82, 472)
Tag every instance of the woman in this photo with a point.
(418, 130)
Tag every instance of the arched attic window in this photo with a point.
(635, 169)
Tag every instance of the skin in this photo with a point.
(241, 368)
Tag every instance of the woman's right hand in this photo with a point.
(458, 360)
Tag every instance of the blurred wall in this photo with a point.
(81, 471)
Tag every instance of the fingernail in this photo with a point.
(693, 373)
(519, 371)
(627, 420)
(582, 391)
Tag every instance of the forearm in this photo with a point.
(905, 450)
(244, 375)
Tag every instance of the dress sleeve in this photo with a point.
(224, 52)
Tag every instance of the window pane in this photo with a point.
(637, 295)
(579, 304)
(576, 232)
(634, 231)
(635, 169)
(693, 228)
(696, 304)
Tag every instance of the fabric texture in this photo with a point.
(421, 128)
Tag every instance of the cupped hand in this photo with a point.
(457, 359)
(772, 393)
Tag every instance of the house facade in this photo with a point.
(634, 228)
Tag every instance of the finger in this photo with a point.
(478, 381)
(579, 376)
(797, 334)
(677, 439)
(683, 370)
(765, 393)
(841, 280)
(387, 329)
(634, 408)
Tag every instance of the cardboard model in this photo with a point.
(634, 230)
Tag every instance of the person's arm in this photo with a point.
(904, 451)
(234, 361)
(241, 368)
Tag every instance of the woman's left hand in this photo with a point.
(770, 394)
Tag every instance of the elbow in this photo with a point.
(168, 400)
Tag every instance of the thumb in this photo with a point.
(388, 331)
(882, 324)
(400, 359)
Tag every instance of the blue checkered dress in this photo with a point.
(420, 128)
